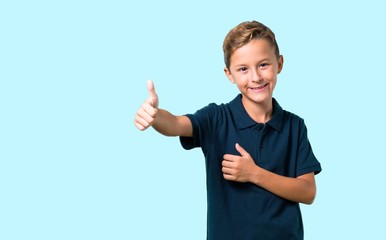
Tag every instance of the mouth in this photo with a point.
(259, 88)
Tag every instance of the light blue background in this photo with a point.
(73, 74)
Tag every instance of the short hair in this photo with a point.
(243, 34)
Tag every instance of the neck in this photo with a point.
(259, 112)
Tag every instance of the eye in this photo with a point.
(263, 65)
(242, 69)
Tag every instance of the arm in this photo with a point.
(301, 189)
(243, 169)
(164, 122)
(170, 125)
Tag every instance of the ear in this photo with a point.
(280, 62)
(229, 75)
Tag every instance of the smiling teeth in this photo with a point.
(260, 87)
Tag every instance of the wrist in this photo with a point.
(255, 176)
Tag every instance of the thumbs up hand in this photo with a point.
(148, 112)
(153, 97)
(238, 168)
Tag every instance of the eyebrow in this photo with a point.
(240, 65)
(260, 61)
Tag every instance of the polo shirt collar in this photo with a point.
(243, 120)
(277, 119)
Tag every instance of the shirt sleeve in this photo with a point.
(307, 161)
(191, 142)
(203, 125)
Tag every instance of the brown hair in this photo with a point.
(243, 34)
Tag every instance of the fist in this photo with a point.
(148, 111)
(238, 168)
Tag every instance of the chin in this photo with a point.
(258, 99)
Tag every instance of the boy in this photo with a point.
(259, 162)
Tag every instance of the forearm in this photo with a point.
(171, 125)
(301, 189)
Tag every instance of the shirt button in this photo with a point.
(259, 126)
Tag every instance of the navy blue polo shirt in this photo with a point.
(241, 211)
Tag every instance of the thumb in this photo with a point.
(241, 150)
(152, 94)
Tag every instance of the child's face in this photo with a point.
(254, 68)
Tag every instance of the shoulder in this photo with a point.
(215, 109)
(211, 109)
(212, 116)
(283, 119)
(292, 116)
(294, 124)
(279, 111)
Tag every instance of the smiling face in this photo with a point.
(254, 68)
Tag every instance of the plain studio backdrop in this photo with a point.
(73, 74)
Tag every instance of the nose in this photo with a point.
(256, 76)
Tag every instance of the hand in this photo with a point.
(238, 168)
(148, 112)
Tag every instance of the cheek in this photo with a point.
(242, 79)
(239, 86)
(272, 77)
(241, 83)
(273, 84)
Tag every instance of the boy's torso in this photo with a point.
(244, 210)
